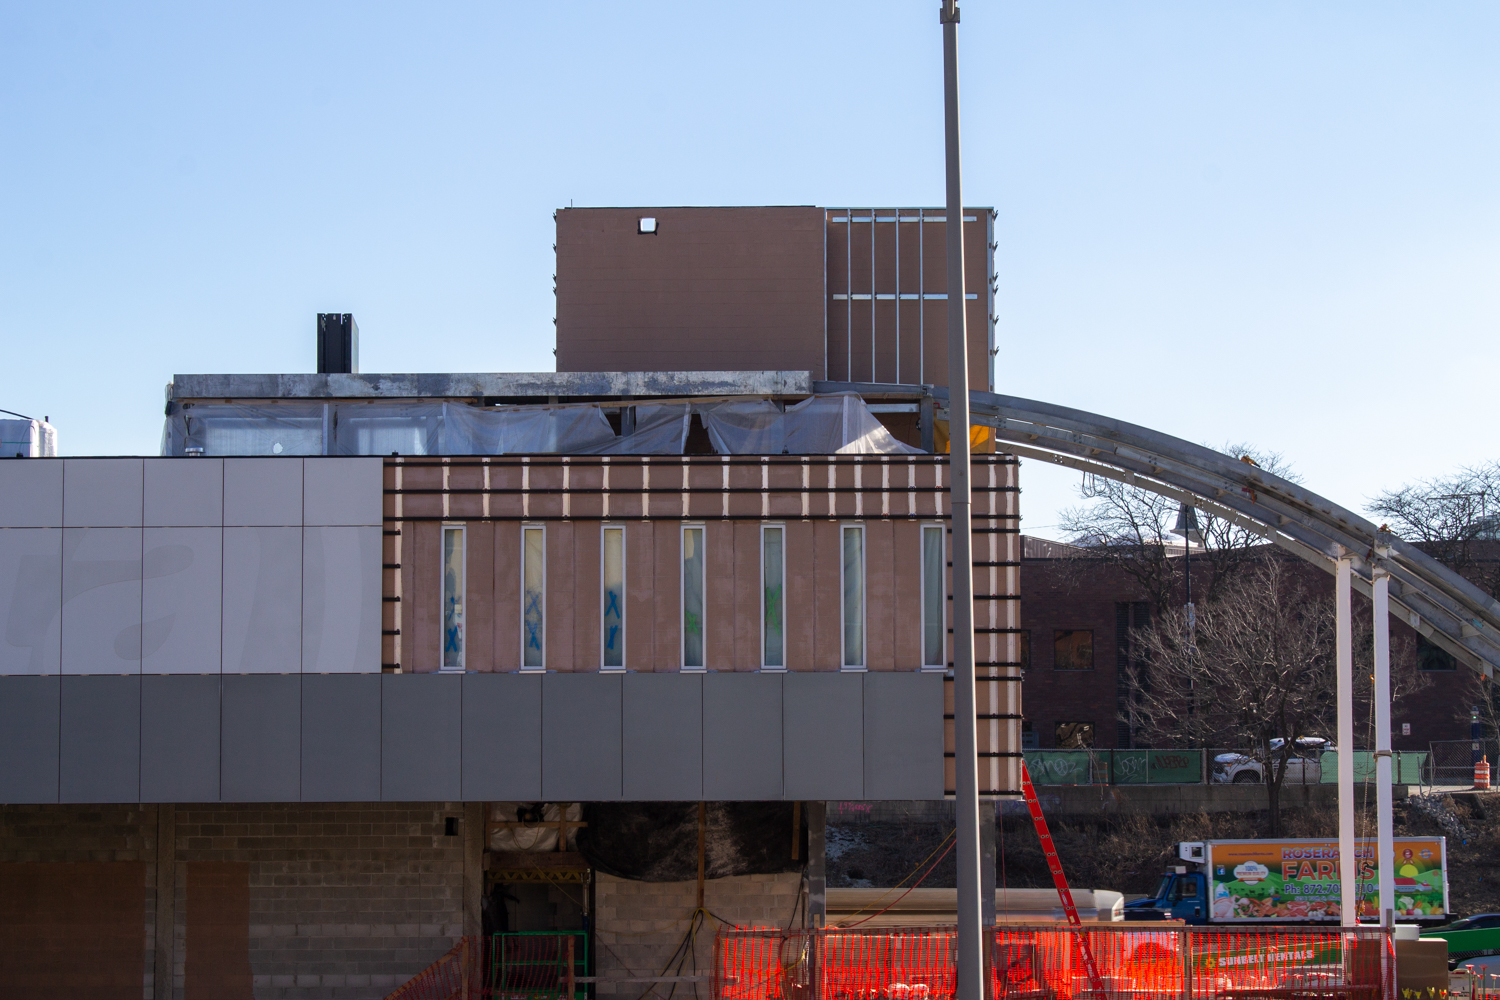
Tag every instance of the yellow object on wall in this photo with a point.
(981, 438)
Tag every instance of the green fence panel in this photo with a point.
(1175, 767)
(1131, 767)
(1063, 767)
(1407, 766)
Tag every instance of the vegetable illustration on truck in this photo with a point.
(1294, 881)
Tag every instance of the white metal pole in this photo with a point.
(1348, 865)
(1385, 851)
(965, 744)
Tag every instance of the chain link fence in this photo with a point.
(1202, 766)
(1453, 760)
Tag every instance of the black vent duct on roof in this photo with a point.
(338, 344)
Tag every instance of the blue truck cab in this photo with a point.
(1181, 895)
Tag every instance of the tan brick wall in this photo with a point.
(640, 924)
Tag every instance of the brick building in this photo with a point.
(1076, 621)
(352, 668)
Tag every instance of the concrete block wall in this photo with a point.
(282, 902)
(640, 924)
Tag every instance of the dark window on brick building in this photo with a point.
(1075, 735)
(1028, 736)
(1026, 649)
(1073, 649)
(1431, 656)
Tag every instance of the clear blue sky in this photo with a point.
(1270, 222)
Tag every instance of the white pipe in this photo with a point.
(1385, 851)
(1348, 866)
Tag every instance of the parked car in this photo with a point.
(1305, 767)
(1478, 922)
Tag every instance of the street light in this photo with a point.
(1187, 527)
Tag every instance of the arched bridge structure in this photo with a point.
(1441, 605)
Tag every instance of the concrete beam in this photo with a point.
(306, 386)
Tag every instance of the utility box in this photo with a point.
(338, 344)
(1422, 965)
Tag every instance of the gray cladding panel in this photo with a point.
(502, 737)
(181, 590)
(179, 739)
(31, 493)
(581, 737)
(262, 601)
(663, 737)
(824, 716)
(262, 491)
(421, 737)
(343, 491)
(903, 736)
(101, 611)
(184, 492)
(341, 738)
(100, 739)
(262, 738)
(29, 718)
(30, 599)
(341, 600)
(742, 748)
(102, 492)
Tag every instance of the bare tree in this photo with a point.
(1260, 664)
(1453, 518)
(1130, 528)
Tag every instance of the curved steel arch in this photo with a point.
(1441, 605)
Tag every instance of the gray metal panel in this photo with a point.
(102, 492)
(581, 737)
(468, 384)
(903, 736)
(502, 731)
(262, 600)
(262, 491)
(181, 593)
(421, 737)
(343, 491)
(31, 494)
(180, 739)
(262, 738)
(30, 600)
(340, 738)
(101, 611)
(29, 720)
(824, 736)
(341, 600)
(663, 737)
(742, 737)
(184, 492)
(100, 737)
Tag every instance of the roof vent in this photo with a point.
(338, 344)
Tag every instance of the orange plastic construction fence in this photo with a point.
(1047, 962)
(502, 967)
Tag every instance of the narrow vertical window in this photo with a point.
(453, 598)
(533, 598)
(934, 598)
(772, 599)
(692, 598)
(854, 595)
(612, 617)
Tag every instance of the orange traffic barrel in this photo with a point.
(1482, 773)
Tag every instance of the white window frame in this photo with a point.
(685, 527)
(767, 668)
(945, 603)
(463, 584)
(624, 589)
(864, 599)
(542, 668)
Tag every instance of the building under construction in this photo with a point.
(362, 665)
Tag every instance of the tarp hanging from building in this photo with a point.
(27, 438)
(839, 424)
(836, 424)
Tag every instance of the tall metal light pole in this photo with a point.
(965, 761)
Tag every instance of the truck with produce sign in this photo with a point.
(1293, 881)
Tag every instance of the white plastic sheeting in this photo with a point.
(820, 425)
(837, 424)
(27, 438)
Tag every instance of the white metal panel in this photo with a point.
(262, 491)
(342, 491)
(184, 492)
(341, 600)
(30, 600)
(31, 494)
(101, 601)
(181, 592)
(262, 601)
(102, 492)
